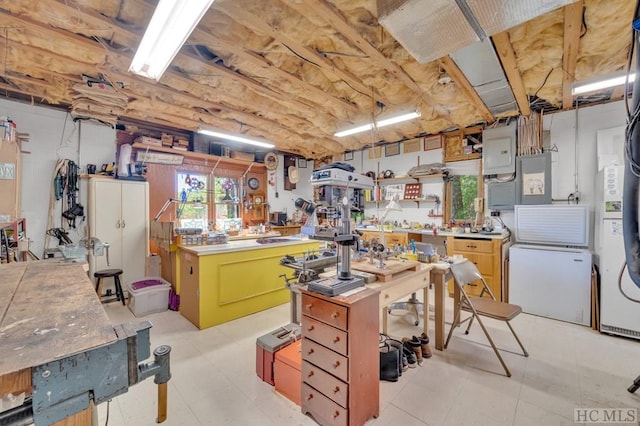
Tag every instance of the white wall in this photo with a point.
(565, 175)
(285, 199)
(53, 135)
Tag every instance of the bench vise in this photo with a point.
(66, 386)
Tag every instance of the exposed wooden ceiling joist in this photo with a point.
(572, 29)
(257, 24)
(452, 69)
(326, 11)
(510, 66)
(295, 71)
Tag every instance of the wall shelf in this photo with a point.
(193, 155)
(407, 179)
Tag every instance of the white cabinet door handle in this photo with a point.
(123, 224)
(118, 224)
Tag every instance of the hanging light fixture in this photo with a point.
(379, 123)
(235, 138)
(601, 83)
(170, 26)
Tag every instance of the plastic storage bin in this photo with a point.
(149, 295)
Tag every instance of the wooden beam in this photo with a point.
(507, 56)
(125, 35)
(217, 44)
(171, 77)
(461, 81)
(258, 25)
(572, 29)
(327, 12)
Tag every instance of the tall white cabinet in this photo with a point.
(119, 215)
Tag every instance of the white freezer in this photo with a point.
(552, 282)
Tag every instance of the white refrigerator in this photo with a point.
(618, 315)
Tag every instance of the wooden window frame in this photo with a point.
(447, 195)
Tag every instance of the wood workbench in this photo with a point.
(48, 310)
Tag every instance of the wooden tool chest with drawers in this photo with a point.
(340, 359)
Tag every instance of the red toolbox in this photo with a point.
(287, 371)
(269, 344)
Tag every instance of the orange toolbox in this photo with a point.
(287, 375)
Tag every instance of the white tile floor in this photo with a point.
(214, 380)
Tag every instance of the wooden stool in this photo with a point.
(107, 273)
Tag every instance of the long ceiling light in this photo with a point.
(235, 138)
(586, 87)
(170, 26)
(382, 123)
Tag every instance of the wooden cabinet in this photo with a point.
(458, 145)
(119, 215)
(286, 230)
(486, 254)
(340, 360)
(391, 238)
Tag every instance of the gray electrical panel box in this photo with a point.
(501, 195)
(533, 183)
(499, 150)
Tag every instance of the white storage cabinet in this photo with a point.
(119, 215)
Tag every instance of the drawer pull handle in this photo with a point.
(311, 328)
(309, 306)
(310, 374)
(337, 339)
(310, 397)
(336, 414)
(310, 351)
(386, 296)
(335, 315)
(336, 389)
(336, 364)
(470, 246)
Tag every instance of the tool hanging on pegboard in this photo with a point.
(74, 209)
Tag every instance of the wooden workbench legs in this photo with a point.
(438, 279)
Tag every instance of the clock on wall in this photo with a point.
(253, 183)
(271, 161)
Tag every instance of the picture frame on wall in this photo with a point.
(348, 155)
(375, 152)
(432, 142)
(412, 145)
(302, 163)
(392, 149)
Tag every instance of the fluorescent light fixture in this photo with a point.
(600, 84)
(235, 138)
(385, 122)
(170, 26)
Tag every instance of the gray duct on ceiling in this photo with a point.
(431, 29)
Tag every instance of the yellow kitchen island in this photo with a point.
(223, 282)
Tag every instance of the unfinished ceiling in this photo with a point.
(295, 71)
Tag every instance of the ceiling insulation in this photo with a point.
(296, 71)
(431, 29)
